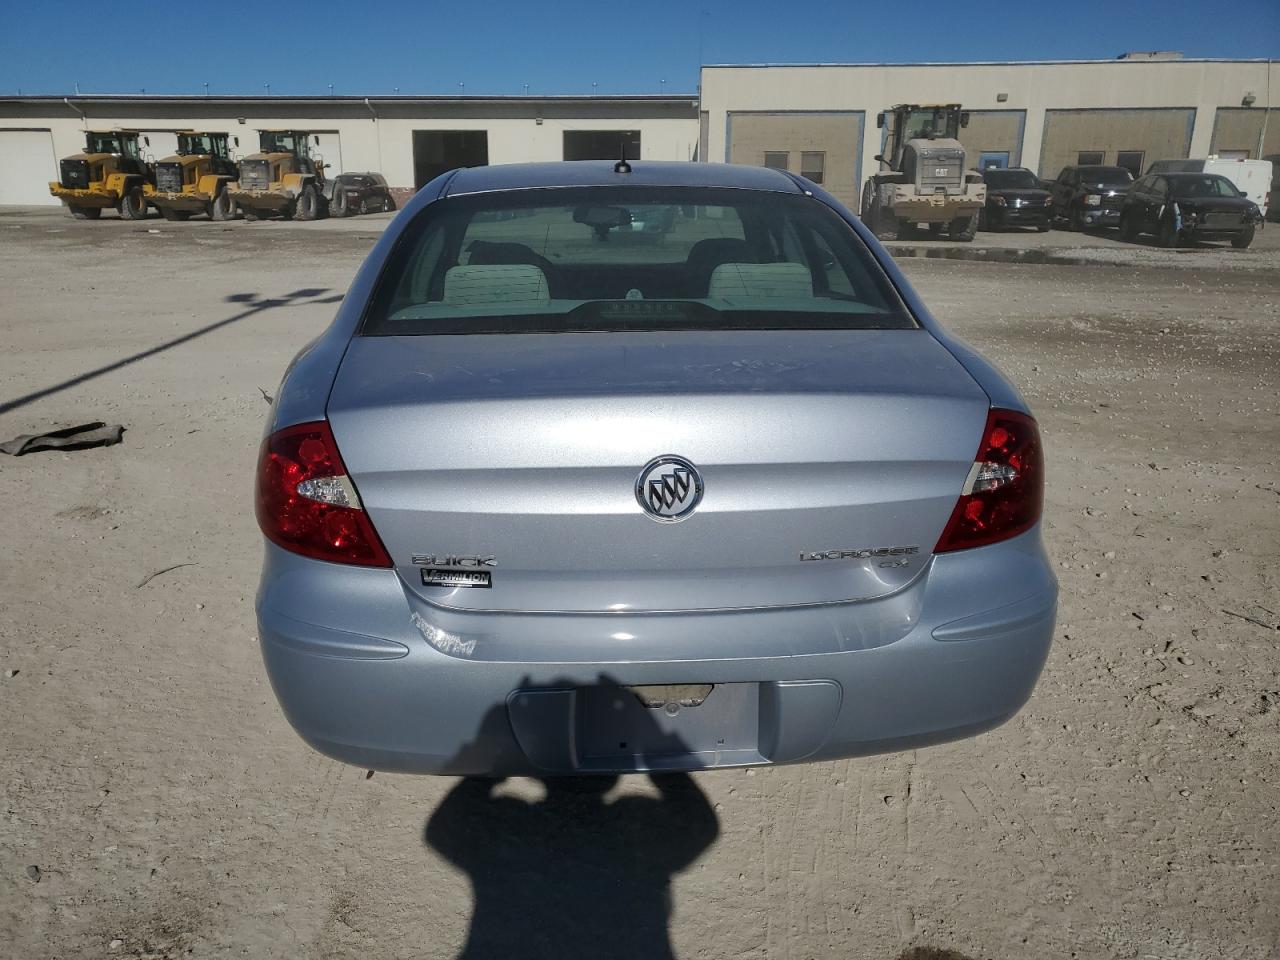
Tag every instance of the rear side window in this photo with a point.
(556, 260)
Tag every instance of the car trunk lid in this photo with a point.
(830, 462)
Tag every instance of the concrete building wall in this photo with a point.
(1156, 134)
(837, 136)
(994, 131)
(358, 135)
(1201, 86)
(1239, 130)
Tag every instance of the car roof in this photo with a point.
(1184, 174)
(1099, 166)
(598, 173)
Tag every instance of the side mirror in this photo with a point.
(880, 120)
(964, 119)
(317, 140)
(237, 140)
(147, 141)
(879, 157)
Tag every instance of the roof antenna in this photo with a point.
(622, 166)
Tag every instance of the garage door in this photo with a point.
(27, 164)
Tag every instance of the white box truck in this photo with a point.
(1251, 177)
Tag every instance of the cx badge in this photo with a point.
(669, 488)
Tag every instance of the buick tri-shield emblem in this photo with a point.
(669, 488)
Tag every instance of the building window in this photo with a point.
(777, 160)
(1131, 160)
(1090, 158)
(813, 164)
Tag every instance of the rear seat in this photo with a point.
(515, 283)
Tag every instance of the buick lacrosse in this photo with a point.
(615, 467)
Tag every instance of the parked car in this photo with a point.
(540, 502)
(1015, 198)
(1090, 196)
(360, 193)
(1253, 178)
(1189, 206)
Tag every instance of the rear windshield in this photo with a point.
(608, 258)
(1010, 179)
(1207, 185)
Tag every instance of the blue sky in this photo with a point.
(497, 47)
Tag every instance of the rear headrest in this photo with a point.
(495, 283)
(756, 281)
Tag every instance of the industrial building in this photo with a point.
(820, 119)
(813, 119)
(407, 139)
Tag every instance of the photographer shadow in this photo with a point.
(571, 874)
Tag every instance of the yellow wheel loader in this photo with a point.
(195, 179)
(283, 178)
(110, 172)
(923, 178)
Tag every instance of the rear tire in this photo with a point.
(133, 205)
(1075, 221)
(85, 213)
(339, 207)
(1043, 227)
(1245, 238)
(388, 204)
(221, 208)
(170, 214)
(307, 206)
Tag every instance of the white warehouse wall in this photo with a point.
(355, 134)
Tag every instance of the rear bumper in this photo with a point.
(404, 693)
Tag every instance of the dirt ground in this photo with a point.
(157, 805)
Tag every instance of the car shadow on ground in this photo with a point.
(572, 874)
(254, 304)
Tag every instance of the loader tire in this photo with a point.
(86, 213)
(339, 207)
(964, 229)
(133, 205)
(222, 208)
(307, 206)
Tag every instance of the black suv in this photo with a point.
(1015, 198)
(1090, 196)
(1188, 206)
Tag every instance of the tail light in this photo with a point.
(1003, 495)
(307, 504)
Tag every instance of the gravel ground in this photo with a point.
(157, 805)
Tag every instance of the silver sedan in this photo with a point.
(607, 468)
